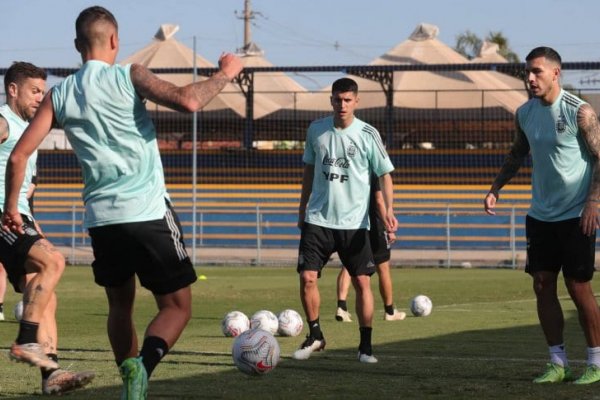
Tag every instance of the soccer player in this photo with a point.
(562, 134)
(33, 265)
(340, 155)
(381, 240)
(133, 227)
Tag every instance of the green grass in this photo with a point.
(482, 341)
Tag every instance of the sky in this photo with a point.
(302, 32)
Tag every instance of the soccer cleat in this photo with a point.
(63, 381)
(396, 316)
(554, 373)
(32, 354)
(366, 358)
(1, 315)
(308, 347)
(135, 379)
(343, 315)
(591, 375)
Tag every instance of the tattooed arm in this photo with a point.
(512, 163)
(590, 132)
(192, 97)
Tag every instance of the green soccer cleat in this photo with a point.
(135, 379)
(591, 375)
(554, 374)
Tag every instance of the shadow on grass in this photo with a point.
(470, 364)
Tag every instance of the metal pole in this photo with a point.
(73, 233)
(194, 164)
(513, 241)
(258, 234)
(449, 260)
(201, 229)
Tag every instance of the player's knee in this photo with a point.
(55, 264)
(308, 278)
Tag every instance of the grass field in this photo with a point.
(482, 341)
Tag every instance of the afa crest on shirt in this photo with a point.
(561, 124)
(351, 151)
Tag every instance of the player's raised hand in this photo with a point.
(230, 64)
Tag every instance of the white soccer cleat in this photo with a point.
(308, 347)
(63, 381)
(1, 315)
(343, 315)
(32, 354)
(366, 358)
(396, 316)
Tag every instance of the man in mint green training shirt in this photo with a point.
(562, 134)
(134, 229)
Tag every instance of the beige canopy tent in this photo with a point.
(276, 86)
(431, 89)
(489, 53)
(166, 52)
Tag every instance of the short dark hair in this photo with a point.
(344, 85)
(547, 52)
(86, 19)
(21, 70)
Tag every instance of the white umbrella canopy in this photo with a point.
(166, 52)
(274, 89)
(430, 89)
(489, 53)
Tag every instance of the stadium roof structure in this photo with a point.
(165, 52)
(430, 89)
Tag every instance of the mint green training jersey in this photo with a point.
(16, 127)
(344, 160)
(562, 166)
(115, 142)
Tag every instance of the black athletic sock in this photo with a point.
(47, 372)
(153, 350)
(389, 309)
(315, 329)
(342, 304)
(1, 307)
(27, 332)
(365, 340)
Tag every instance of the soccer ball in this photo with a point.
(290, 323)
(264, 320)
(421, 306)
(18, 310)
(255, 352)
(234, 323)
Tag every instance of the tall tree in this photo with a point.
(504, 49)
(468, 44)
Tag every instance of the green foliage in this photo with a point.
(482, 340)
(469, 45)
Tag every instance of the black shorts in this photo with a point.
(318, 243)
(380, 244)
(14, 249)
(562, 244)
(152, 250)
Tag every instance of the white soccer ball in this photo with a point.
(421, 306)
(265, 320)
(290, 323)
(234, 323)
(255, 352)
(18, 310)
